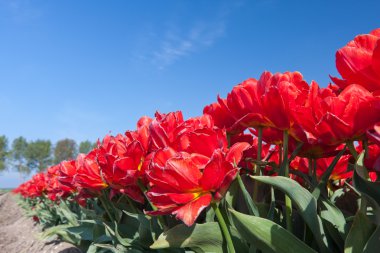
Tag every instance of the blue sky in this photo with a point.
(82, 69)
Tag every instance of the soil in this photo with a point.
(19, 234)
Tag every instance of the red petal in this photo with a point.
(235, 153)
(190, 212)
(215, 172)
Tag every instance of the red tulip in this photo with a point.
(359, 62)
(184, 183)
(328, 119)
(66, 173)
(340, 171)
(121, 170)
(349, 115)
(163, 129)
(55, 189)
(222, 115)
(89, 176)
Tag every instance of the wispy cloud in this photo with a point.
(177, 44)
(181, 38)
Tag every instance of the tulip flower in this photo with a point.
(89, 176)
(184, 183)
(222, 115)
(359, 62)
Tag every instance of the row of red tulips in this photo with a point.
(276, 125)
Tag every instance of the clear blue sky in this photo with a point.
(81, 69)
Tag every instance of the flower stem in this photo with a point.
(288, 201)
(257, 165)
(310, 163)
(154, 208)
(224, 228)
(103, 200)
(351, 147)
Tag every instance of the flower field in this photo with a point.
(278, 165)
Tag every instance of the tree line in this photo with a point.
(26, 157)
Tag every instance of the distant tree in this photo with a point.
(18, 156)
(65, 149)
(38, 154)
(3, 152)
(86, 146)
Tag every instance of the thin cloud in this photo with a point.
(177, 44)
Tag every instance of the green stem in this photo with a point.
(310, 163)
(103, 200)
(259, 143)
(285, 152)
(365, 146)
(224, 228)
(257, 164)
(144, 190)
(288, 201)
(351, 147)
(154, 208)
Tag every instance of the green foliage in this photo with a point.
(85, 147)
(3, 152)
(306, 205)
(18, 153)
(65, 149)
(38, 154)
(267, 235)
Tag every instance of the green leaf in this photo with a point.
(61, 230)
(333, 215)
(362, 184)
(326, 175)
(267, 235)
(68, 214)
(305, 203)
(373, 242)
(205, 237)
(252, 208)
(83, 231)
(361, 230)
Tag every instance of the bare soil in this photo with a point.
(19, 234)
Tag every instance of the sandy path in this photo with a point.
(18, 234)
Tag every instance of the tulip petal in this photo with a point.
(190, 212)
(235, 153)
(215, 172)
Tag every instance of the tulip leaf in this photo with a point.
(332, 214)
(361, 230)
(205, 237)
(305, 203)
(373, 242)
(84, 231)
(252, 208)
(326, 175)
(334, 221)
(61, 230)
(362, 184)
(267, 235)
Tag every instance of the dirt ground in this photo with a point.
(19, 234)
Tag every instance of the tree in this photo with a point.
(38, 154)
(18, 155)
(85, 147)
(3, 152)
(65, 149)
